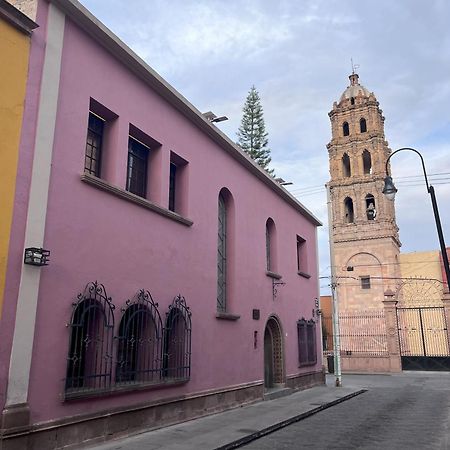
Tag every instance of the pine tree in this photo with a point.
(252, 135)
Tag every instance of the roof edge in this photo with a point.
(16, 18)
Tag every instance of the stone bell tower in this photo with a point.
(364, 231)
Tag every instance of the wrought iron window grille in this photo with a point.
(139, 352)
(89, 362)
(307, 352)
(177, 340)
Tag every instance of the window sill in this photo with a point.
(304, 274)
(227, 316)
(271, 274)
(122, 193)
(122, 388)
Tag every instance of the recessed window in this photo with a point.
(348, 210)
(137, 167)
(345, 129)
(222, 255)
(92, 159)
(306, 333)
(346, 168)
(352, 100)
(363, 125)
(365, 282)
(302, 256)
(178, 189)
(367, 162)
(271, 259)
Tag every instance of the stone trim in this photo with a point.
(227, 316)
(303, 274)
(125, 195)
(275, 275)
(16, 18)
(107, 425)
(305, 380)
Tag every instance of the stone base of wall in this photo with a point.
(306, 380)
(372, 364)
(71, 432)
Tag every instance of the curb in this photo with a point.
(258, 434)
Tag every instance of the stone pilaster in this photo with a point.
(446, 301)
(390, 315)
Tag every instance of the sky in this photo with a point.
(298, 56)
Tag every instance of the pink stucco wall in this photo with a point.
(93, 235)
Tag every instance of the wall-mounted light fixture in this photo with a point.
(213, 118)
(36, 256)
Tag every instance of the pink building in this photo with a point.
(182, 279)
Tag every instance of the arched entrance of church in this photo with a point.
(273, 354)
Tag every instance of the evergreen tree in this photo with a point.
(252, 135)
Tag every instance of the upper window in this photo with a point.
(349, 213)
(345, 129)
(352, 100)
(92, 159)
(367, 162)
(346, 168)
(271, 260)
(365, 282)
(137, 167)
(89, 364)
(302, 256)
(177, 184)
(307, 352)
(222, 255)
(363, 125)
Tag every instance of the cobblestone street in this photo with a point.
(405, 411)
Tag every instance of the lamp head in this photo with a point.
(389, 189)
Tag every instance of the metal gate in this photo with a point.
(423, 338)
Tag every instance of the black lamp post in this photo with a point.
(390, 190)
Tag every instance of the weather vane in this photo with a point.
(354, 66)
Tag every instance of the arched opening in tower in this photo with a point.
(363, 125)
(346, 169)
(367, 162)
(345, 129)
(349, 213)
(370, 207)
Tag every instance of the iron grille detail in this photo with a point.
(177, 340)
(89, 363)
(139, 349)
(222, 256)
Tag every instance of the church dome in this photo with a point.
(355, 89)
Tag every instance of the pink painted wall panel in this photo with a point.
(93, 235)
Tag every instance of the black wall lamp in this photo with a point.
(36, 256)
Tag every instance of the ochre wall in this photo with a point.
(14, 49)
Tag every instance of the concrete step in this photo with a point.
(277, 392)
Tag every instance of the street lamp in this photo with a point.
(390, 190)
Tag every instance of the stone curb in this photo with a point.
(277, 426)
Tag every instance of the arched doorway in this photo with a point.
(273, 354)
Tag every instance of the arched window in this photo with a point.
(352, 100)
(367, 162)
(348, 208)
(345, 129)
(363, 125)
(224, 243)
(140, 341)
(346, 169)
(271, 248)
(89, 363)
(371, 212)
(177, 341)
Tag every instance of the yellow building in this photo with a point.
(15, 30)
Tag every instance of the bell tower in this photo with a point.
(364, 232)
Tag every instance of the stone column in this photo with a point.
(446, 301)
(390, 317)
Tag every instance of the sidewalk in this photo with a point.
(238, 426)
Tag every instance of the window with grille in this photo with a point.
(89, 362)
(177, 341)
(92, 158)
(271, 257)
(139, 349)
(137, 167)
(222, 256)
(307, 351)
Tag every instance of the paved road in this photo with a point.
(405, 411)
